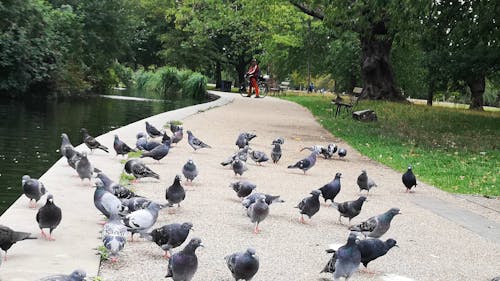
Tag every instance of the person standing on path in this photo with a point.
(253, 74)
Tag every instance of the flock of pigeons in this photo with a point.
(127, 212)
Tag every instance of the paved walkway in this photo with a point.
(434, 244)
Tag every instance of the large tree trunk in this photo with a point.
(477, 86)
(218, 75)
(241, 69)
(430, 90)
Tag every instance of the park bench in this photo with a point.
(282, 87)
(339, 102)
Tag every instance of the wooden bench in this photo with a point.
(284, 86)
(339, 102)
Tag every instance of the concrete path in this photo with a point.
(433, 245)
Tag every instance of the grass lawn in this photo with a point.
(455, 150)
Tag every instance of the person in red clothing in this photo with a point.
(253, 73)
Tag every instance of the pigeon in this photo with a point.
(9, 237)
(278, 140)
(116, 189)
(276, 153)
(114, 236)
(105, 201)
(258, 156)
(49, 216)
(183, 265)
(331, 149)
(77, 275)
(196, 143)
(372, 249)
(243, 188)
(327, 152)
(33, 189)
(91, 142)
(243, 139)
(189, 170)
(73, 157)
(158, 152)
(331, 189)
(141, 220)
(258, 211)
(65, 145)
(243, 266)
(270, 199)
(134, 203)
(171, 236)
(175, 193)
(141, 141)
(174, 128)
(178, 135)
(376, 226)
(306, 163)
(309, 205)
(345, 261)
(409, 179)
(350, 209)
(242, 155)
(364, 182)
(342, 153)
(120, 147)
(84, 168)
(238, 167)
(152, 131)
(139, 169)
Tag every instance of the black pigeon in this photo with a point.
(238, 167)
(350, 209)
(270, 199)
(243, 266)
(139, 169)
(121, 148)
(171, 236)
(372, 249)
(306, 163)
(77, 275)
(309, 205)
(117, 189)
(175, 193)
(91, 142)
(242, 188)
(342, 153)
(376, 226)
(331, 189)
(33, 189)
(364, 182)
(258, 156)
(183, 265)
(189, 170)
(257, 212)
(345, 261)
(409, 179)
(276, 153)
(196, 143)
(49, 216)
(158, 152)
(152, 131)
(9, 237)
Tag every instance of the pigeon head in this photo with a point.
(315, 193)
(64, 136)
(394, 211)
(50, 199)
(78, 275)
(83, 130)
(338, 175)
(177, 178)
(189, 132)
(363, 172)
(98, 183)
(187, 225)
(363, 199)
(84, 154)
(190, 161)
(352, 238)
(389, 243)
(140, 135)
(116, 137)
(25, 178)
(410, 167)
(251, 252)
(195, 243)
(154, 206)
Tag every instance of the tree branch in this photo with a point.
(307, 10)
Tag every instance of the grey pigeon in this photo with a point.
(278, 140)
(166, 139)
(242, 155)
(175, 193)
(327, 151)
(270, 199)
(243, 139)
(409, 179)
(91, 142)
(65, 145)
(345, 261)
(120, 147)
(309, 205)
(33, 189)
(376, 226)
(331, 148)
(238, 167)
(350, 209)
(178, 135)
(49, 216)
(331, 189)
(141, 141)
(183, 265)
(196, 143)
(84, 168)
(171, 236)
(158, 152)
(258, 156)
(364, 182)
(242, 188)
(243, 266)
(116, 189)
(9, 237)
(139, 169)
(134, 203)
(114, 236)
(152, 131)
(276, 153)
(257, 212)
(141, 220)
(372, 249)
(342, 153)
(306, 163)
(73, 157)
(77, 275)
(105, 201)
(189, 170)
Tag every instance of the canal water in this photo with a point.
(30, 131)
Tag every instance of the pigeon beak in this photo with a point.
(396, 245)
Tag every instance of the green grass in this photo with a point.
(125, 179)
(452, 149)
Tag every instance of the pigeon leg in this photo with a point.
(340, 219)
(256, 229)
(114, 259)
(131, 237)
(5, 257)
(31, 204)
(302, 219)
(43, 234)
(167, 255)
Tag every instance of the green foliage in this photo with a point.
(103, 253)
(135, 154)
(455, 150)
(195, 86)
(125, 179)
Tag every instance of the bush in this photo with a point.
(195, 86)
